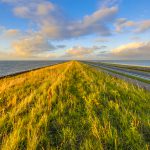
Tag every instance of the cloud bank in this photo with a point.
(82, 51)
(31, 46)
(52, 22)
(49, 23)
(139, 50)
(123, 24)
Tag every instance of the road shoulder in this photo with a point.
(135, 82)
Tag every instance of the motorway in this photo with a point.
(122, 71)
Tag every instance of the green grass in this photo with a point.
(126, 75)
(72, 106)
(138, 68)
(123, 74)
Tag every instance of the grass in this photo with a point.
(126, 75)
(138, 68)
(123, 74)
(72, 106)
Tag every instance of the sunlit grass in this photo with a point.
(72, 106)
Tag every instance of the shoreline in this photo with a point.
(26, 71)
(133, 81)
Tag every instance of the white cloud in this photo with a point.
(95, 23)
(123, 24)
(135, 38)
(138, 50)
(79, 51)
(31, 46)
(142, 26)
(61, 46)
(12, 32)
(5, 55)
(101, 40)
(82, 52)
(51, 22)
(34, 9)
(109, 3)
(55, 28)
(9, 33)
(40, 56)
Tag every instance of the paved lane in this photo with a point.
(134, 73)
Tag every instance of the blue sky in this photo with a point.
(80, 29)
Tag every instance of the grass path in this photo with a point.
(72, 106)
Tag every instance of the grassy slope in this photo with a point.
(126, 75)
(127, 67)
(138, 68)
(72, 106)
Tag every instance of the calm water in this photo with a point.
(130, 62)
(11, 67)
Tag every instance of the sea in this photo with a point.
(13, 67)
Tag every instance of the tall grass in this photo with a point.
(72, 106)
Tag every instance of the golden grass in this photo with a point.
(72, 106)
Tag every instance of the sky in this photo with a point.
(74, 29)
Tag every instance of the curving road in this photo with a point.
(133, 73)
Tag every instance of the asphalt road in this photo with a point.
(134, 73)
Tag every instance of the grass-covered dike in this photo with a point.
(72, 106)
